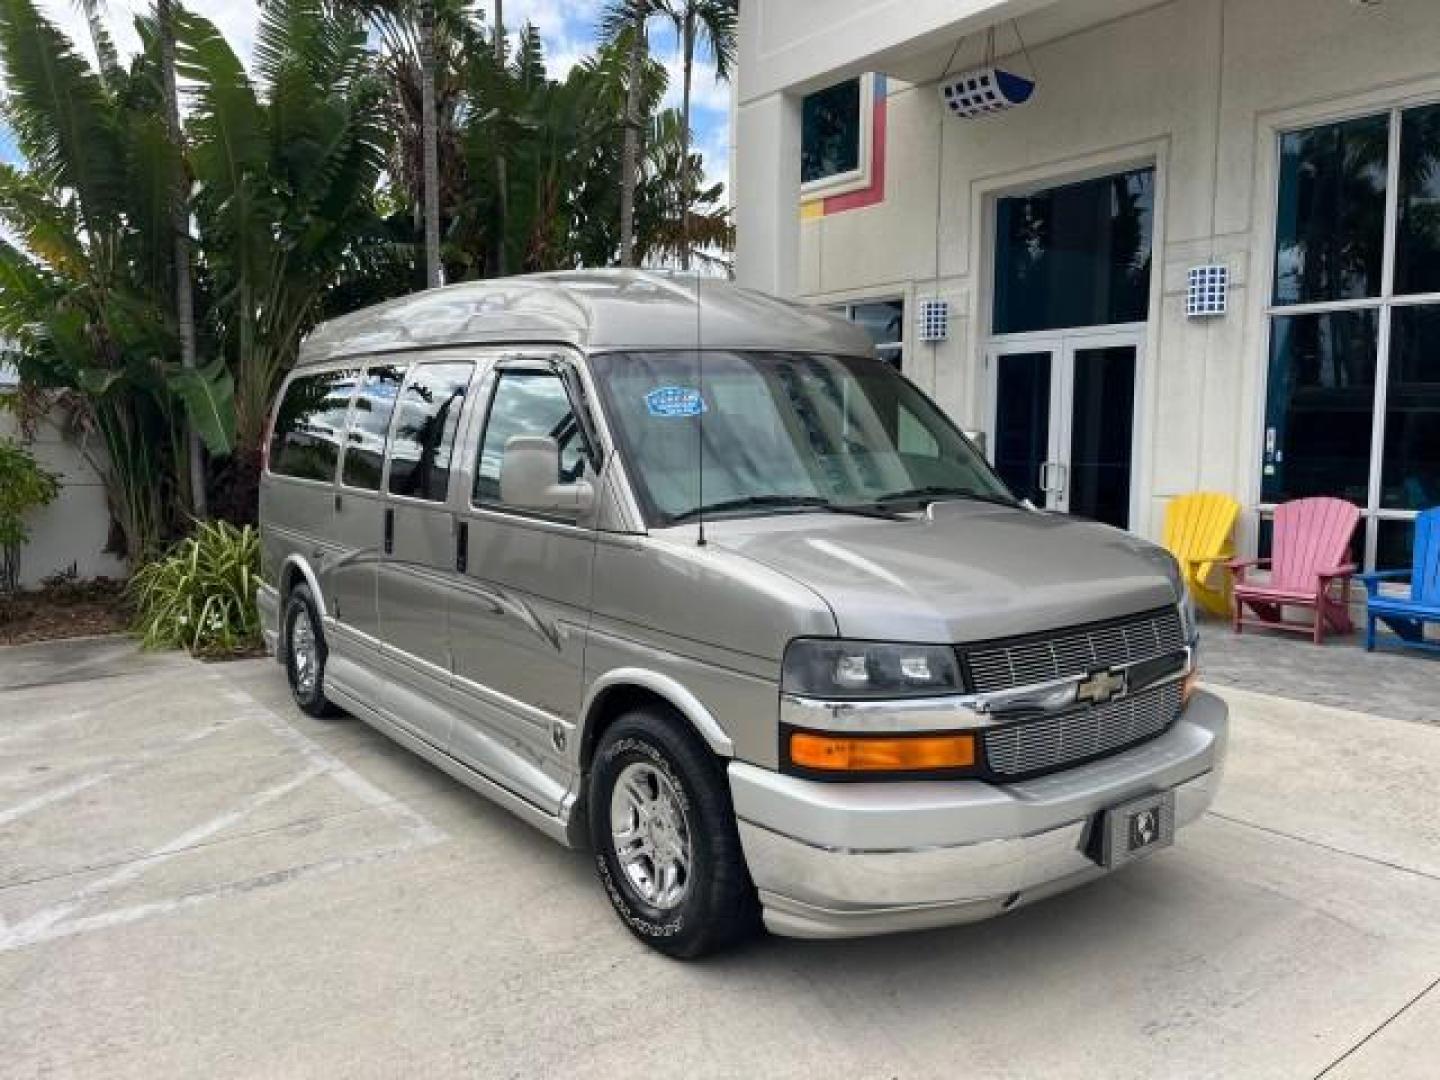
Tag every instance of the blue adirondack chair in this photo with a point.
(1406, 616)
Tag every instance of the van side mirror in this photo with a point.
(528, 473)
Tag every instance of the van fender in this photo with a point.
(686, 703)
(301, 566)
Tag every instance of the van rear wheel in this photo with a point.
(305, 654)
(664, 836)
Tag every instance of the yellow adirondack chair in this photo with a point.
(1200, 533)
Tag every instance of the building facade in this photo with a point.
(1204, 253)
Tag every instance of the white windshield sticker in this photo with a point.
(674, 401)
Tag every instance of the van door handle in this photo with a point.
(462, 546)
(389, 530)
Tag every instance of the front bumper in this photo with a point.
(848, 859)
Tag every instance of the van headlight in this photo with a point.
(827, 668)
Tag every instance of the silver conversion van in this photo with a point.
(752, 621)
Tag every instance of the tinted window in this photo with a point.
(1330, 222)
(1417, 245)
(528, 403)
(1075, 255)
(424, 435)
(1319, 412)
(369, 424)
(1410, 478)
(830, 131)
(309, 424)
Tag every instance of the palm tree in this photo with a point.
(627, 22)
(502, 178)
(700, 22)
(429, 143)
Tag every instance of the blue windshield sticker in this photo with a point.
(674, 401)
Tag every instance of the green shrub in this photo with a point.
(201, 596)
(24, 486)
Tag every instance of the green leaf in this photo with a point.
(208, 394)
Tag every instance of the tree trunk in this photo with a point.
(687, 195)
(429, 138)
(630, 152)
(502, 184)
(180, 228)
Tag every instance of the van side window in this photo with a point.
(369, 424)
(427, 416)
(528, 403)
(309, 425)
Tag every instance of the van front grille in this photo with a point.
(1074, 652)
(1047, 743)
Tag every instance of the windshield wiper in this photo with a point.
(935, 493)
(800, 502)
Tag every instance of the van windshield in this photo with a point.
(783, 432)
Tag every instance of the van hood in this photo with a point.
(963, 571)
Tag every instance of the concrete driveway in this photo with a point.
(198, 880)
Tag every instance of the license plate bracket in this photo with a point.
(1137, 828)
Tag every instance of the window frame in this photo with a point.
(1384, 303)
(858, 178)
(556, 367)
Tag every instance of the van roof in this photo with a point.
(594, 310)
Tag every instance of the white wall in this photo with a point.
(73, 528)
(1200, 88)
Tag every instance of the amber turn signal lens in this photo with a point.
(868, 753)
(1187, 687)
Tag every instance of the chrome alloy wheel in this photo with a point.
(650, 835)
(304, 653)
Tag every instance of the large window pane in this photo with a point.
(429, 412)
(1330, 225)
(830, 131)
(1077, 255)
(1319, 411)
(1395, 545)
(369, 423)
(1417, 245)
(1410, 477)
(309, 425)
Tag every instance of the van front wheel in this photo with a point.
(663, 832)
(305, 654)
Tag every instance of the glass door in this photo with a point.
(1064, 421)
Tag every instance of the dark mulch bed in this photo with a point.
(64, 609)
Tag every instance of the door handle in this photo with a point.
(389, 530)
(1045, 476)
(462, 546)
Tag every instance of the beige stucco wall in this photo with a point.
(1199, 87)
(72, 529)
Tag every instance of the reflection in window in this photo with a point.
(884, 321)
(1417, 245)
(830, 131)
(528, 403)
(1330, 222)
(1318, 415)
(308, 425)
(1410, 478)
(429, 412)
(1075, 255)
(369, 423)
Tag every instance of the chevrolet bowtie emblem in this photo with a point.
(1100, 686)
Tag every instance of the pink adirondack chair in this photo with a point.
(1310, 556)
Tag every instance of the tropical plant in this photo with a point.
(85, 294)
(201, 595)
(24, 488)
(712, 24)
(627, 23)
(288, 167)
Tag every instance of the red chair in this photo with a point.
(1311, 549)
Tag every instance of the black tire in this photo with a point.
(719, 907)
(310, 695)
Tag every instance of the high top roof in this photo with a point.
(595, 310)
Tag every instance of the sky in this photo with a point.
(567, 27)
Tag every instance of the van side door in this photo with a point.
(360, 507)
(416, 568)
(518, 624)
